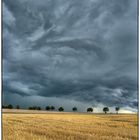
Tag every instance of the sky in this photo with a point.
(70, 53)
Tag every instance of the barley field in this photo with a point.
(42, 125)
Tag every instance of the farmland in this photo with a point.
(42, 125)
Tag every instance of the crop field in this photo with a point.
(42, 125)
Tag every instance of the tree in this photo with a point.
(34, 108)
(48, 107)
(17, 107)
(52, 108)
(38, 108)
(90, 109)
(61, 109)
(30, 108)
(117, 109)
(105, 109)
(74, 108)
(10, 106)
(3, 106)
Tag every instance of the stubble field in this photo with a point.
(40, 125)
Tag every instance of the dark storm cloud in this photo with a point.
(78, 50)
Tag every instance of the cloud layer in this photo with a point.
(84, 51)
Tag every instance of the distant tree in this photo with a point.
(74, 108)
(52, 108)
(105, 109)
(38, 108)
(34, 108)
(4, 107)
(30, 108)
(48, 108)
(10, 106)
(61, 109)
(90, 109)
(117, 109)
(17, 107)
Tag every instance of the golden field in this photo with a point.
(40, 125)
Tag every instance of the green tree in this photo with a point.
(105, 109)
(17, 107)
(74, 108)
(34, 108)
(4, 106)
(61, 109)
(30, 108)
(38, 108)
(90, 109)
(52, 108)
(48, 108)
(10, 106)
(117, 109)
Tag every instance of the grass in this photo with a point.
(68, 126)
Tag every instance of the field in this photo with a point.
(40, 125)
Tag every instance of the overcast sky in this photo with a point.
(70, 53)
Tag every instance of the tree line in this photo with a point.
(52, 108)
